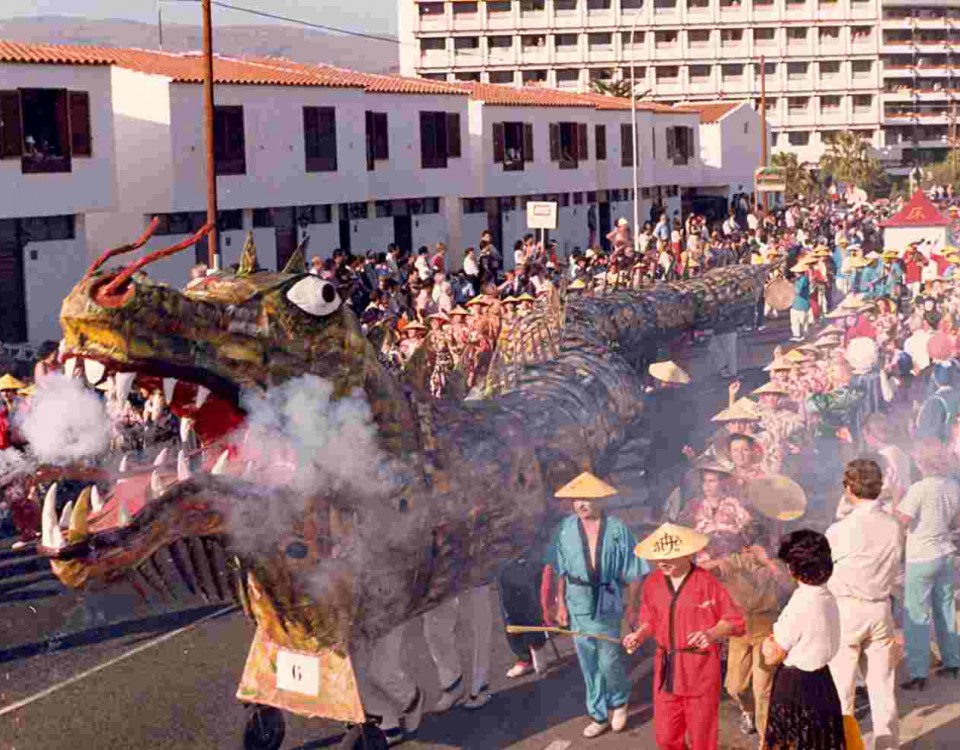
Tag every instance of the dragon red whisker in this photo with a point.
(127, 273)
(123, 249)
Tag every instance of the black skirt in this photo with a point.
(805, 711)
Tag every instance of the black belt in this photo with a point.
(666, 673)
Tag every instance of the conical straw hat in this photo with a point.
(779, 364)
(577, 284)
(10, 383)
(29, 390)
(586, 487)
(830, 330)
(795, 356)
(772, 389)
(671, 541)
(777, 497)
(743, 410)
(668, 372)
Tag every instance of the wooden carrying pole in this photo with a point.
(520, 629)
(213, 239)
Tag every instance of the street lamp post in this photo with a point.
(636, 145)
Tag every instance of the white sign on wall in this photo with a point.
(541, 215)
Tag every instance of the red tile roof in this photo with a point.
(54, 54)
(917, 212)
(497, 95)
(710, 112)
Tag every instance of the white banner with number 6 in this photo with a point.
(298, 673)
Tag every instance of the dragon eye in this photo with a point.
(314, 296)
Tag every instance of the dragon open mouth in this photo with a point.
(164, 521)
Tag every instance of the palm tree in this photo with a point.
(621, 88)
(848, 160)
(797, 177)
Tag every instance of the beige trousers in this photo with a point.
(746, 668)
(867, 629)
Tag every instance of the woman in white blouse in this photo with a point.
(804, 706)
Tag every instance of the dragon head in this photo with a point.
(225, 335)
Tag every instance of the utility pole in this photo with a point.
(213, 239)
(763, 125)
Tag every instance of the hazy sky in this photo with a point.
(357, 15)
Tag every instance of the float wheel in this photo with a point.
(364, 737)
(265, 729)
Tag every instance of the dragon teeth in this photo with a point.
(78, 518)
(161, 458)
(70, 367)
(220, 467)
(169, 385)
(93, 371)
(124, 384)
(156, 484)
(202, 395)
(186, 427)
(183, 467)
(96, 502)
(123, 515)
(65, 515)
(51, 536)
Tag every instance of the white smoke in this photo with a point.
(65, 422)
(11, 461)
(300, 435)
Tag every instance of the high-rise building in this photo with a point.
(886, 69)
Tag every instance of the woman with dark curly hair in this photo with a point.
(804, 705)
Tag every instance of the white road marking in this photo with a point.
(110, 662)
(558, 745)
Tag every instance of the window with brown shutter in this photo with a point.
(527, 142)
(554, 141)
(453, 135)
(320, 138)
(498, 143)
(600, 145)
(434, 139)
(229, 141)
(81, 138)
(626, 145)
(671, 144)
(378, 140)
(568, 143)
(45, 128)
(583, 140)
(11, 134)
(514, 147)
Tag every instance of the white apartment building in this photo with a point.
(98, 141)
(886, 69)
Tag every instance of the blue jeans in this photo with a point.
(929, 586)
(603, 665)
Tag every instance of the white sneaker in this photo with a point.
(595, 729)
(520, 669)
(478, 700)
(451, 696)
(618, 718)
(540, 659)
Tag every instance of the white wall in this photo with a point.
(59, 265)
(371, 234)
(90, 185)
(144, 162)
(275, 169)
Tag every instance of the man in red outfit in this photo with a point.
(687, 611)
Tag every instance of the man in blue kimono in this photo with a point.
(599, 578)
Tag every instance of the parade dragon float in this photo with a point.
(461, 484)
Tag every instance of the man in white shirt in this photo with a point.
(867, 550)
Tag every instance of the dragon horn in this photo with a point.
(127, 273)
(297, 263)
(248, 258)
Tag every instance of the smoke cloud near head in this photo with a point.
(300, 436)
(65, 422)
